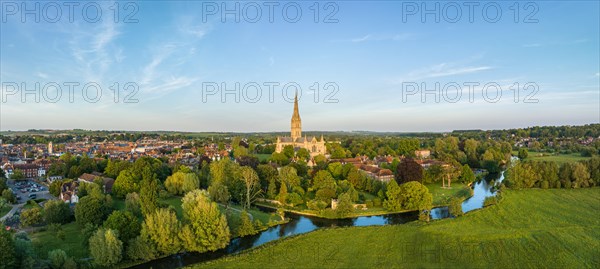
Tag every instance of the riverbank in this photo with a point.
(555, 228)
(441, 197)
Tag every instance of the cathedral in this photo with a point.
(311, 143)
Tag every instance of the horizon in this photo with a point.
(354, 71)
(287, 131)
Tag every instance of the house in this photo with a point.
(29, 170)
(54, 178)
(374, 172)
(107, 183)
(422, 154)
(68, 192)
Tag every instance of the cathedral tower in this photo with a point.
(296, 122)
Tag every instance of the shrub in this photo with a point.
(455, 207)
(57, 258)
(377, 202)
(31, 216)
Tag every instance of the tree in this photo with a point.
(90, 209)
(247, 160)
(55, 187)
(272, 190)
(23, 250)
(106, 248)
(335, 169)
(279, 158)
(126, 182)
(467, 176)
(17, 175)
(180, 183)
(57, 211)
(393, 201)
(283, 193)
(320, 161)
(7, 250)
(246, 227)
(31, 216)
(132, 204)
(162, 228)
(125, 223)
(455, 207)
(114, 168)
(218, 192)
(357, 179)
(520, 175)
(324, 185)
(149, 193)
(57, 258)
(9, 196)
(303, 154)
(205, 222)
(289, 175)
(141, 248)
(593, 166)
(580, 176)
(523, 153)
(288, 151)
(3, 185)
(3, 203)
(252, 185)
(344, 206)
(266, 173)
(409, 170)
(415, 196)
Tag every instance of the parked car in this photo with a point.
(32, 196)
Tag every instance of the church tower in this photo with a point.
(296, 122)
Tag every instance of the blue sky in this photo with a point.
(371, 53)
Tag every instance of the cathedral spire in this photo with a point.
(296, 114)
(296, 131)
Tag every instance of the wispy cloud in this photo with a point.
(441, 70)
(380, 37)
(169, 85)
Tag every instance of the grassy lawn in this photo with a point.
(441, 196)
(529, 228)
(4, 210)
(263, 157)
(72, 244)
(558, 158)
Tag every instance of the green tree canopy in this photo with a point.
(125, 223)
(106, 248)
(57, 211)
(162, 228)
(206, 223)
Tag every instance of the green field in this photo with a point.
(558, 158)
(529, 228)
(442, 196)
(263, 157)
(45, 241)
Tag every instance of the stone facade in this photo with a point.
(312, 144)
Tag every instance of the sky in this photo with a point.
(356, 65)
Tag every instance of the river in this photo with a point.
(300, 224)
